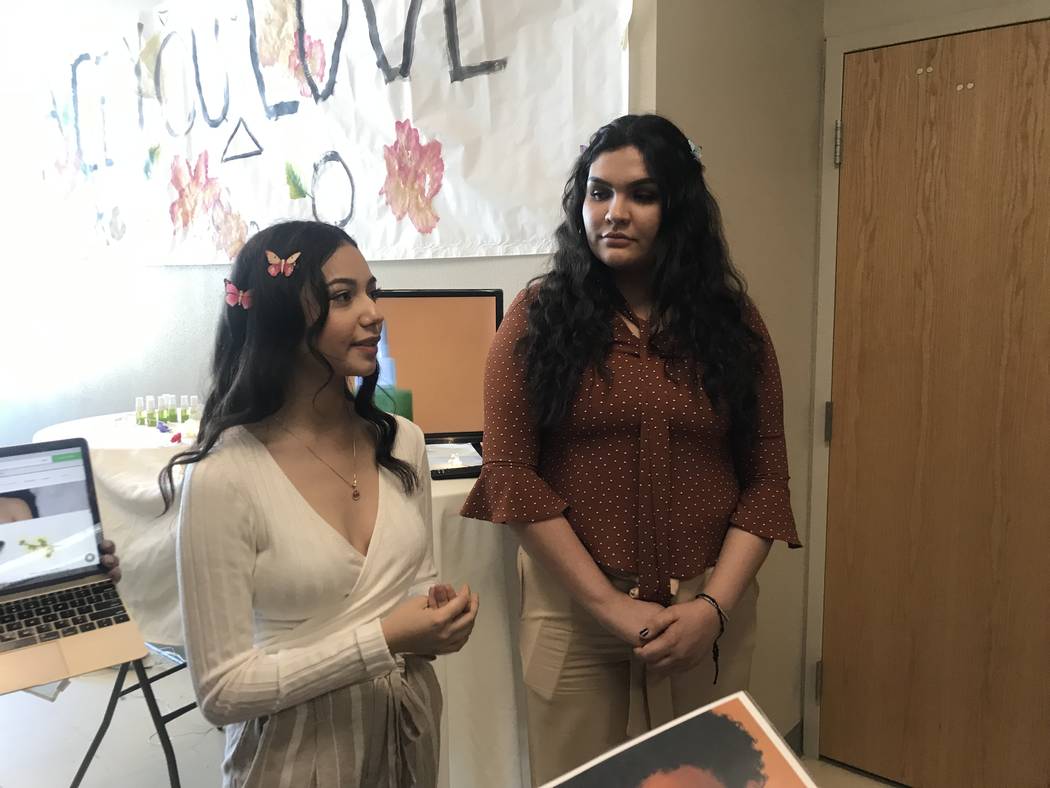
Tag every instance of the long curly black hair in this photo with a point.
(698, 297)
(255, 348)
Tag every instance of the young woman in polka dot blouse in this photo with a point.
(634, 440)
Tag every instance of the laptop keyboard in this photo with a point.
(59, 614)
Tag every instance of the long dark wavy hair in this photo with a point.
(256, 348)
(698, 297)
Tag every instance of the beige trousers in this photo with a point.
(586, 692)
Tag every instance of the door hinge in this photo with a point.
(837, 148)
(827, 421)
(818, 682)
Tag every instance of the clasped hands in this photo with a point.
(667, 639)
(439, 623)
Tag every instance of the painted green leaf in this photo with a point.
(154, 154)
(295, 184)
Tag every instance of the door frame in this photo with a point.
(836, 49)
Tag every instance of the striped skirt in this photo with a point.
(383, 733)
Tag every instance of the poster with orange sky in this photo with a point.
(728, 744)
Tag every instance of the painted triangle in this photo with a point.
(242, 144)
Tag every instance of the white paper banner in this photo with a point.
(427, 128)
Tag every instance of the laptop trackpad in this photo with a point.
(35, 665)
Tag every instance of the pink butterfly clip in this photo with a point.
(235, 297)
(279, 266)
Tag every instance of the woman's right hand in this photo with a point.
(413, 627)
(628, 618)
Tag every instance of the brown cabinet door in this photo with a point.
(937, 601)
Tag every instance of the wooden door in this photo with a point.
(936, 651)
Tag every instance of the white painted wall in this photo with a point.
(743, 79)
(845, 17)
(88, 340)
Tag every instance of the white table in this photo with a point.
(483, 721)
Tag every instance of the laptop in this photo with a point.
(432, 361)
(60, 615)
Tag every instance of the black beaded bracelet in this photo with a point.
(723, 619)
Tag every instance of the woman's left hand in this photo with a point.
(109, 560)
(689, 630)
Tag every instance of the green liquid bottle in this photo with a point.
(388, 396)
(394, 400)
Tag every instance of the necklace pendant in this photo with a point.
(356, 495)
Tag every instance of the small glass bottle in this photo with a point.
(140, 411)
(151, 411)
(184, 408)
(195, 407)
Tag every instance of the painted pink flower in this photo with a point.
(196, 191)
(413, 177)
(315, 57)
(228, 228)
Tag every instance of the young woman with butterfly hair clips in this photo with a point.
(310, 602)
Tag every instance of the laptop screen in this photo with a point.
(433, 350)
(47, 526)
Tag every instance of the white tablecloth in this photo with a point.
(484, 719)
(483, 722)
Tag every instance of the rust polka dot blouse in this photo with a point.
(641, 468)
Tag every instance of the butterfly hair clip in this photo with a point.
(275, 265)
(235, 297)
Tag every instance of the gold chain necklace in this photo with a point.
(355, 494)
